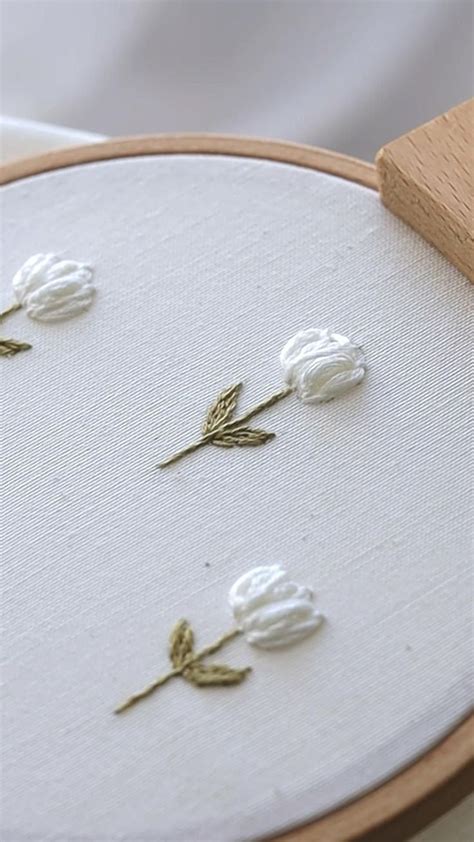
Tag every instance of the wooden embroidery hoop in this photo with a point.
(444, 775)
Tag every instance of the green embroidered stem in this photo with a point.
(11, 309)
(225, 676)
(190, 449)
(137, 697)
(10, 347)
(218, 432)
(218, 644)
(266, 404)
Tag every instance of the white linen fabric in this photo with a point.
(348, 75)
(204, 267)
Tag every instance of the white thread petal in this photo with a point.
(271, 610)
(51, 289)
(320, 365)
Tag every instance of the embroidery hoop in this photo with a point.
(443, 776)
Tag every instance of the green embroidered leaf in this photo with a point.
(181, 643)
(217, 675)
(242, 437)
(9, 347)
(221, 411)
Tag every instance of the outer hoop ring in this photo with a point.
(444, 775)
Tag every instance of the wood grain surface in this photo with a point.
(426, 178)
(407, 802)
(444, 775)
(197, 144)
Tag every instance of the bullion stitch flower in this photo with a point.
(271, 611)
(318, 365)
(49, 289)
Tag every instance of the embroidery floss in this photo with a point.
(220, 430)
(187, 663)
(321, 365)
(318, 365)
(271, 612)
(49, 289)
(10, 347)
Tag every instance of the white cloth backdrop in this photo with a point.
(376, 557)
(348, 75)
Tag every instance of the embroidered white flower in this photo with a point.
(271, 610)
(51, 289)
(320, 364)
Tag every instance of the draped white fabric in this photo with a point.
(348, 75)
